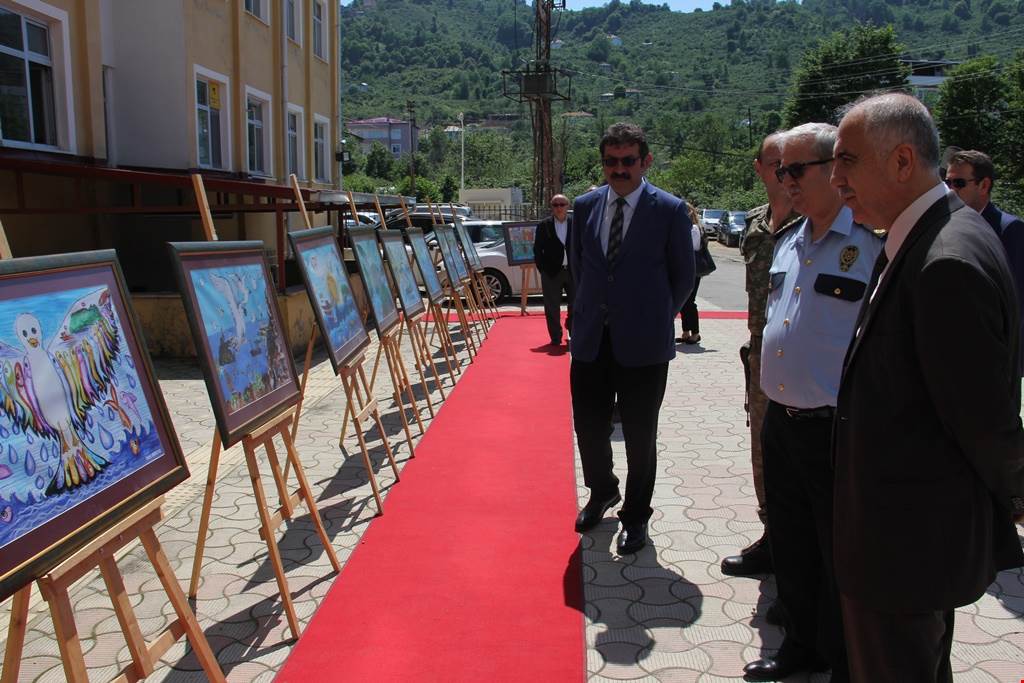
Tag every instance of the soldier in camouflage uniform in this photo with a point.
(763, 230)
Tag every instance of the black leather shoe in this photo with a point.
(780, 667)
(593, 512)
(632, 538)
(753, 560)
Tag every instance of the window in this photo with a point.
(319, 30)
(257, 8)
(296, 140)
(258, 131)
(293, 19)
(28, 110)
(321, 135)
(396, 150)
(396, 133)
(208, 124)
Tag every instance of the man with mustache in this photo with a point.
(928, 445)
(632, 263)
(818, 277)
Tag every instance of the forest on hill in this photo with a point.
(706, 85)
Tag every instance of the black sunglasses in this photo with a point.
(797, 168)
(627, 162)
(555, 205)
(959, 183)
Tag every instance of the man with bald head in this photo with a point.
(552, 260)
(927, 441)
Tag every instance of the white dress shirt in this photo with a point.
(627, 212)
(905, 222)
(562, 231)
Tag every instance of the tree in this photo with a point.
(448, 189)
(839, 68)
(598, 50)
(1010, 188)
(379, 162)
(971, 105)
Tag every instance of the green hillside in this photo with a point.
(448, 54)
(701, 83)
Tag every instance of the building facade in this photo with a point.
(395, 135)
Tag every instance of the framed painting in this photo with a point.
(401, 272)
(232, 311)
(468, 247)
(330, 293)
(85, 437)
(519, 242)
(425, 264)
(450, 254)
(375, 280)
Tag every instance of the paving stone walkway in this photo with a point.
(666, 614)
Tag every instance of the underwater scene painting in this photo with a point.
(374, 279)
(401, 271)
(426, 265)
(246, 347)
(460, 263)
(74, 417)
(519, 243)
(332, 295)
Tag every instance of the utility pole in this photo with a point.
(538, 85)
(410, 107)
(462, 158)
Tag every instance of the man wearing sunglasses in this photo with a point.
(927, 445)
(765, 224)
(819, 275)
(552, 259)
(632, 261)
(971, 174)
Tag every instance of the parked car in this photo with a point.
(709, 219)
(731, 228)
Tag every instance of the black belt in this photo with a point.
(822, 413)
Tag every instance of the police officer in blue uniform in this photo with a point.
(819, 277)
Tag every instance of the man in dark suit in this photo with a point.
(971, 174)
(927, 439)
(552, 260)
(632, 261)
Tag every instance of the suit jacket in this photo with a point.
(1011, 232)
(640, 294)
(548, 251)
(927, 443)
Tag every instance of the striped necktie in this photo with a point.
(615, 232)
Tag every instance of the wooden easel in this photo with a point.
(261, 436)
(530, 274)
(486, 300)
(348, 373)
(100, 553)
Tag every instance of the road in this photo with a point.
(724, 289)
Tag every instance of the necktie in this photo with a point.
(615, 232)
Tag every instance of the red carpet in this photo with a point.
(462, 578)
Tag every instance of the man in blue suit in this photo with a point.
(631, 257)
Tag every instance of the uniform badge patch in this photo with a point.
(848, 257)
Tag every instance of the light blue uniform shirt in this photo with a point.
(816, 292)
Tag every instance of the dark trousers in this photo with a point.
(798, 490)
(899, 648)
(552, 286)
(689, 311)
(595, 386)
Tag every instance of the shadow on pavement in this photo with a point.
(631, 596)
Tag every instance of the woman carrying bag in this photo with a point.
(705, 266)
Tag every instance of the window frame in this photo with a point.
(319, 120)
(300, 139)
(267, 104)
(56, 23)
(259, 10)
(319, 32)
(293, 20)
(201, 73)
